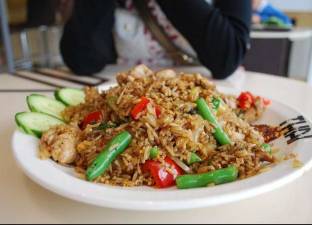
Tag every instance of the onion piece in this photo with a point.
(182, 165)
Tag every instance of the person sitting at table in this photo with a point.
(105, 32)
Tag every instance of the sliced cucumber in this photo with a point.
(70, 96)
(42, 104)
(35, 123)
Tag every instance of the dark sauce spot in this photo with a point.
(193, 111)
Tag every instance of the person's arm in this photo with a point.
(219, 34)
(87, 41)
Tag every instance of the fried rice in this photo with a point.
(177, 132)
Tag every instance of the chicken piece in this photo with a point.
(135, 73)
(166, 74)
(256, 111)
(59, 143)
(140, 71)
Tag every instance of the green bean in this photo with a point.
(206, 113)
(216, 103)
(153, 153)
(216, 177)
(114, 148)
(194, 158)
(267, 148)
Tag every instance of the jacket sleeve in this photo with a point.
(87, 41)
(219, 34)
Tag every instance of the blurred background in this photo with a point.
(35, 28)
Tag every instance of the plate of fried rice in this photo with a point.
(160, 140)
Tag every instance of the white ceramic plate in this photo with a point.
(63, 181)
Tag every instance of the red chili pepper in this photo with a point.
(92, 118)
(138, 108)
(245, 100)
(157, 111)
(162, 177)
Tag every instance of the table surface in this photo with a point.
(23, 201)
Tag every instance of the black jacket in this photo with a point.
(219, 34)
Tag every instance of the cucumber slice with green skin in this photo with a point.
(24, 128)
(19, 126)
(42, 104)
(70, 96)
(35, 123)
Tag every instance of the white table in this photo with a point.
(23, 201)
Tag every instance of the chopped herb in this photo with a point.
(106, 125)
